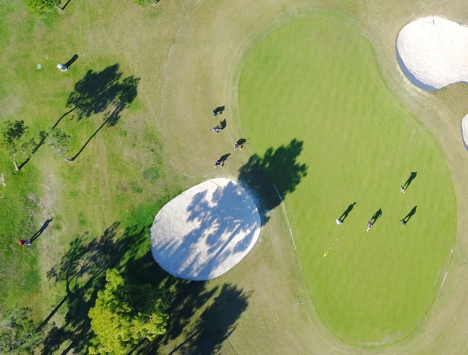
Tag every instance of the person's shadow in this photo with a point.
(71, 61)
(409, 215)
(219, 110)
(41, 230)
(222, 124)
(241, 142)
(224, 158)
(376, 216)
(410, 179)
(345, 214)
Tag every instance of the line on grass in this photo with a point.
(289, 226)
(164, 72)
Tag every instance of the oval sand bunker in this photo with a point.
(433, 52)
(206, 230)
(464, 129)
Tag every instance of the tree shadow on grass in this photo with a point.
(274, 175)
(82, 270)
(98, 92)
(95, 92)
(118, 95)
(216, 323)
(214, 326)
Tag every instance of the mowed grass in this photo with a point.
(316, 80)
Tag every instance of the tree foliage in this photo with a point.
(145, 3)
(41, 7)
(18, 333)
(16, 140)
(125, 314)
(58, 139)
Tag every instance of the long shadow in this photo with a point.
(97, 92)
(119, 94)
(217, 322)
(211, 329)
(82, 271)
(43, 134)
(410, 179)
(41, 230)
(61, 8)
(75, 56)
(409, 215)
(107, 122)
(345, 214)
(376, 216)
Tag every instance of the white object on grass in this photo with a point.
(433, 52)
(62, 67)
(206, 230)
(464, 128)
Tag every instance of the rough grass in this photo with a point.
(315, 80)
(121, 167)
(19, 207)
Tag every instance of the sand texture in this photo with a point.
(464, 130)
(433, 52)
(206, 230)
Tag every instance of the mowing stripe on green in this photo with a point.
(316, 80)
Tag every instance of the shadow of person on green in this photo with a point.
(410, 179)
(345, 214)
(408, 216)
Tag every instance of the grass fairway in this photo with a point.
(316, 80)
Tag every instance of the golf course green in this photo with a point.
(317, 80)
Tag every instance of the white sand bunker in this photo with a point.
(206, 230)
(433, 52)
(464, 129)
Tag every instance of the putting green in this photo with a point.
(316, 79)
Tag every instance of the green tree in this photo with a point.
(18, 333)
(145, 3)
(126, 314)
(17, 143)
(41, 7)
(58, 139)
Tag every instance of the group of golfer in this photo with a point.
(222, 124)
(376, 215)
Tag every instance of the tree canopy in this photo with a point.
(16, 141)
(40, 7)
(18, 333)
(58, 139)
(126, 314)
